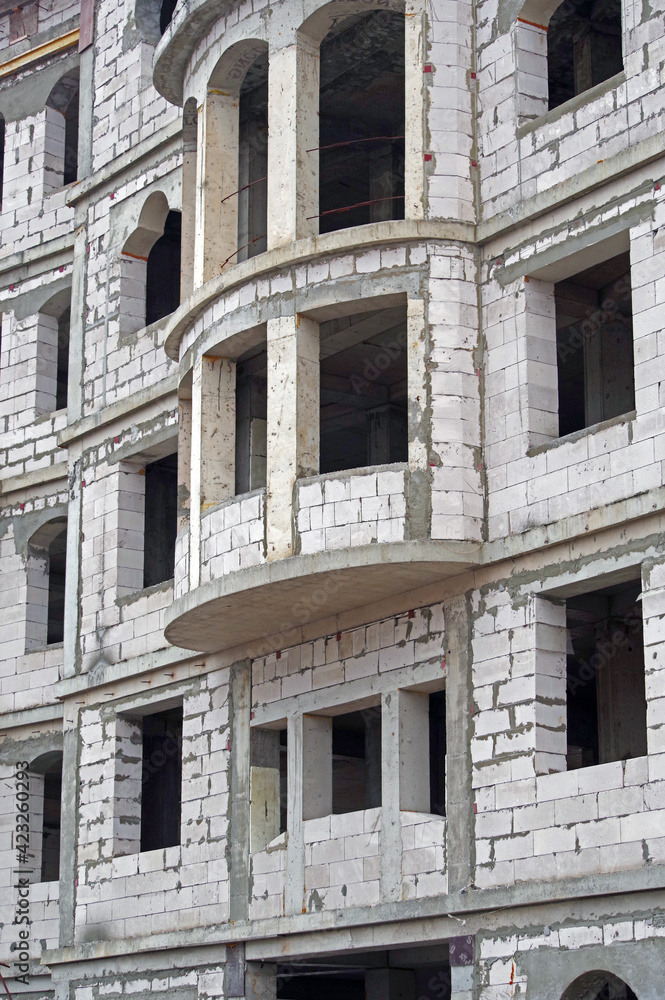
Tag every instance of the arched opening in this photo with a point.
(253, 160)
(47, 770)
(162, 283)
(53, 352)
(598, 985)
(57, 555)
(361, 113)
(46, 565)
(166, 11)
(62, 124)
(583, 47)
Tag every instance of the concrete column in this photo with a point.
(391, 826)
(239, 819)
(293, 422)
(316, 766)
(294, 900)
(390, 984)
(78, 319)
(419, 507)
(72, 626)
(293, 173)
(68, 831)
(459, 696)
(184, 460)
(414, 751)
(212, 463)
(217, 177)
(188, 234)
(414, 108)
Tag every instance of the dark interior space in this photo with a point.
(356, 743)
(594, 330)
(251, 413)
(606, 701)
(161, 519)
(162, 282)
(364, 407)
(64, 98)
(437, 753)
(51, 822)
(57, 554)
(62, 371)
(407, 973)
(283, 779)
(161, 780)
(361, 111)
(253, 160)
(166, 14)
(612, 991)
(583, 47)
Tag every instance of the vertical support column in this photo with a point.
(390, 984)
(293, 422)
(293, 117)
(77, 321)
(537, 363)
(414, 751)
(550, 729)
(130, 529)
(460, 835)
(184, 461)
(240, 697)
(128, 764)
(217, 177)
(414, 105)
(419, 507)
(72, 626)
(295, 849)
(213, 446)
(68, 815)
(316, 766)
(653, 598)
(188, 235)
(391, 824)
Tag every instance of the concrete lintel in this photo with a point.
(38, 477)
(340, 241)
(30, 716)
(30, 263)
(594, 178)
(111, 673)
(128, 161)
(132, 404)
(296, 934)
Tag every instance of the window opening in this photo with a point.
(162, 288)
(605, 676)
(62, 373)
(361, 111)
(268, 786)
(161, 505)
(583, 47)
(62, 125)
(166, 12)
(356, 761)
(594, 323)
(57, 554)
(253, 161)
(364, 419)
(251, 413)
(407, 973)
(50, 871)
(437, 752)
(161, 779)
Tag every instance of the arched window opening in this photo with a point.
(162, 289)
(599, 985)
(57, 555)
(46, 786)
(166, 14)
(160, 520)
(364, 390)
(361, 108)
(583, 47)
(253, 160)
(62, 124)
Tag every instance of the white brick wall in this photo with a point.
(342, 859)
(342, 510)
(233, 536)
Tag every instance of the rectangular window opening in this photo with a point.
(161, 779)
(606, 700)
(51, 823)
(437, 752)
(161, 514)
(364, 414)
(594, 333)
(251, 413)
(268, 786)
(356, 760)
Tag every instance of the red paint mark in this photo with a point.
(339, 636)
(656, 187)
(473, 163)
(473, 76)
(475, 808)
(512, 973)
(112, 195)
(412, 614)
(116, 440)
(83, 483)
(279, 654)
(443, 663)
(252, 714)
(228, 744)
(11, 288)
(21, 506)
(427, 69)
(62, 268)
(427, 157)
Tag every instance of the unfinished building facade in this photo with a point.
(332, 563)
